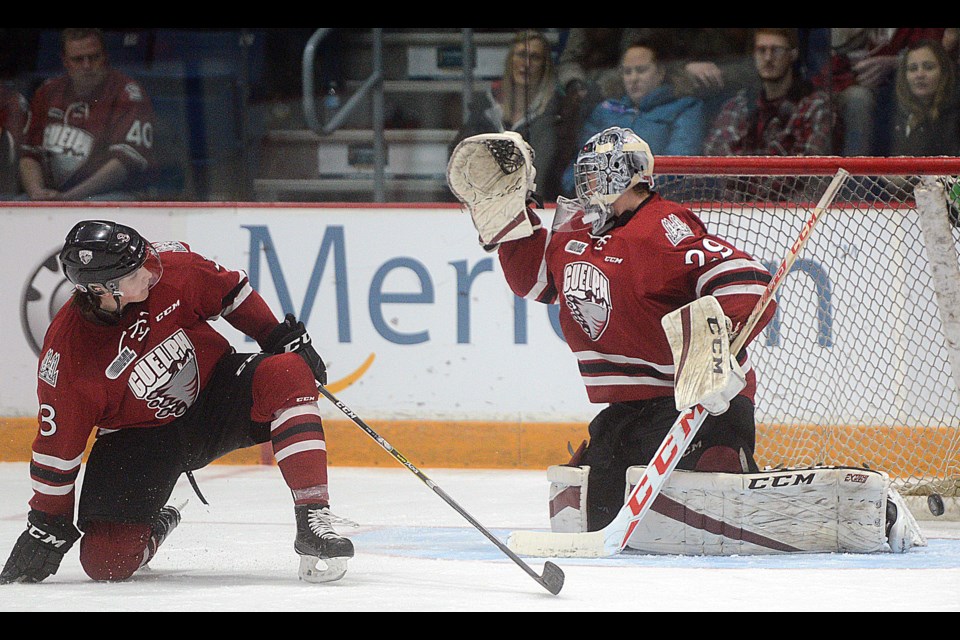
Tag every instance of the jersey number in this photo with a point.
(140, 134)
(711, 246)
(47, 425)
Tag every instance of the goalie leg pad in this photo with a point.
(804, 510)
(568, 498)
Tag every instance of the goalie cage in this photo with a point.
(859, 366)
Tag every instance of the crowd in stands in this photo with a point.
(698, 91)
(756, 92)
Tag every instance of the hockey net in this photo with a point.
(859, 367)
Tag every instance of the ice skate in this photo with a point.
(167, 520)
(164, 524)
(323, 552)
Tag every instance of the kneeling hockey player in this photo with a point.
(133, 354)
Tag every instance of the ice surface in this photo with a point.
(416, 553)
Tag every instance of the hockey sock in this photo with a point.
(115, 550)
(301, 452)
(285, 393)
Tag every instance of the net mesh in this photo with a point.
(854, 369)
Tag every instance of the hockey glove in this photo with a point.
(492, 175)
(291, 336)
(39, 550)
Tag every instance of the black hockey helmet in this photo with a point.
(100, 252)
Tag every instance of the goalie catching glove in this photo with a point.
(705, 372)
(492, 175)
(290, 336)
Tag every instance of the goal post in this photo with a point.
(859, 366)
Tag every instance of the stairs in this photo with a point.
(300, 165)
(423, 109)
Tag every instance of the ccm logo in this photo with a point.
(788, 480)
(45, 538)
(716, 346)
(167, 311)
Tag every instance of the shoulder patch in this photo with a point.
(48, 368)
(169, 245)
(676, 229)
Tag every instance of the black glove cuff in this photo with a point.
(291, 336)
(57, 532)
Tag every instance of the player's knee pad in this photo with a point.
(803, 510)
(113, 550)
(281, 381)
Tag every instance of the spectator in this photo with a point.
(91, 134)
(525, 100)
(588, 73)
(671, 125)
(927, 121)
(860, 75)
(787, 116)
(14, 116)
(711, 64)
(587, 67)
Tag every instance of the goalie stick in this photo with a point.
(612, 539)
(552, 578)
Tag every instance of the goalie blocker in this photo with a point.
(705, 371)
(802, 510)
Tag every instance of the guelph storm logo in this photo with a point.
(586, 291)
(167, 377)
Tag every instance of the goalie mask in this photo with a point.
(610, 163)
(97, 255)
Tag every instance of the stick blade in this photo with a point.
(552, 578)
(544, 544)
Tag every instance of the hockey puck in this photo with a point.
(935, 504)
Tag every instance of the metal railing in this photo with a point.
(372, 86)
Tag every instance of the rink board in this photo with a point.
(424, 340)
(502, 445)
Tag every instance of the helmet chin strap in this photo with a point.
(110, 314)
(117, 300)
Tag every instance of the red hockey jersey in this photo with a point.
(72, 137)
(145, 371)
(614, 289)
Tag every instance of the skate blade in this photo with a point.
(313, 569)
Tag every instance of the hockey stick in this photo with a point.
(552, 578)
(612, 539)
